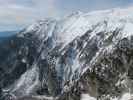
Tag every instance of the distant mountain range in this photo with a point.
(7, 33)
(2, 38)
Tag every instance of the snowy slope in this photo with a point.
(71, 57)
(78, 23)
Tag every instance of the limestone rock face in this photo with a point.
(85, 55)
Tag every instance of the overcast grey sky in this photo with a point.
(16, 14)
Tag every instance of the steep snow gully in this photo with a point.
(84, 56)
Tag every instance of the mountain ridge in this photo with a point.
(84, 53)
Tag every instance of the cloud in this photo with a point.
(22, 13)
(15, 14)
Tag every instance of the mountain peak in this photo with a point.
(85, 53)
(76, 24)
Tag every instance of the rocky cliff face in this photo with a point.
(82, 54)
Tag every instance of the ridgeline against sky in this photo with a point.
(17, 14)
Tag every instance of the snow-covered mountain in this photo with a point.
(84, 55)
